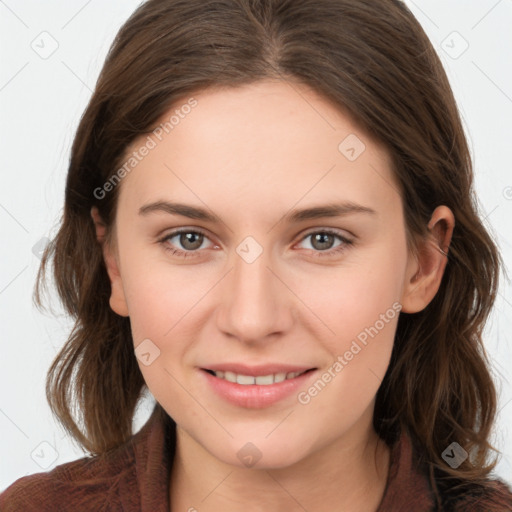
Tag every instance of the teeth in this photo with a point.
(245, 379)
(263, 380)
(230, 376)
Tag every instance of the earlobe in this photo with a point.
(117, 296)
(426, 268)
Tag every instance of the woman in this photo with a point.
(269, 223)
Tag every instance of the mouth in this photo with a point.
(256, 387)
(260, 380)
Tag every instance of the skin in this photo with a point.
(252, 155)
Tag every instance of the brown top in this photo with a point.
(135, 478)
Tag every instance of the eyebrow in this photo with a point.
(294, 216)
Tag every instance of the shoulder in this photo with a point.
(411, 486)
(493, 496)
(90, 483)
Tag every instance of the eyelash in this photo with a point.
(328, 253)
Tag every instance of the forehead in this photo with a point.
(274, 140)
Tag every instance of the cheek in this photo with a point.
(348, 299)
(360, 358)
(166, 306)
(360, 306)
(364, 341)
(160, 295)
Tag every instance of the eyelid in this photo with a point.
(179, 231)
(345, 241)
(333, 231)
(314, 230)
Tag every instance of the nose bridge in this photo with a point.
(253, 305)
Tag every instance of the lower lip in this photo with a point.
(256, 396)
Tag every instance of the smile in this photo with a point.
(260, 380)
(256, 391)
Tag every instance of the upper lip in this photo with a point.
(256, 371)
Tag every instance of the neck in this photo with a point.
(348, 474)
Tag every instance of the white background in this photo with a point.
(41, 101)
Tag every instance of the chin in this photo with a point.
(262, 454)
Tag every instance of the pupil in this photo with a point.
(188, 238)
(319, 238)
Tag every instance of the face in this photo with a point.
(251, 281)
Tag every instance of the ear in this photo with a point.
(117, 301)
(426, 268)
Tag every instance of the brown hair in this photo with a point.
(373, 59)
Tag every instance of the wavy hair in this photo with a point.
(371, 58)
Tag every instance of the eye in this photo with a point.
(322, 242)
(190, 240)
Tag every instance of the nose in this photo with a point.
(255, 305)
